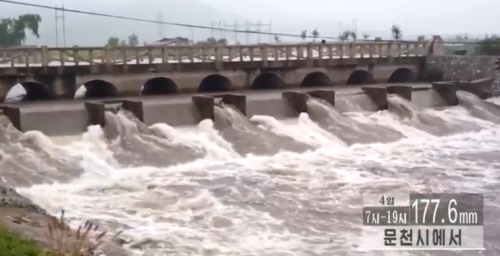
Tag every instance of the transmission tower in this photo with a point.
(160, 25)
(217, 25)
(247, 26)
(235, 26)
(61, 17)
(260, 27)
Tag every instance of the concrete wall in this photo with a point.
(465, 68)
(462, 67)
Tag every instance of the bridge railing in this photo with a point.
(163, 54)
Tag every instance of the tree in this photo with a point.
(13, 30)
(461, 38)
(344, 36)
(277, 39)
(353, 35)
(303, 34)
(133, 40)
(421, 38)
(113, 41)
(211, 40)
(490, 45)
(222, 41)
(315, 34)
(366, 36)
(397, 33)
(123, 43)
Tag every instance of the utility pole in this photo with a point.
(57, 26)
(259, 25)
(212, 30)
(64, 25)
(247, 34)
(160, 25)
(63, 20)
(270, 30)
(220, 30)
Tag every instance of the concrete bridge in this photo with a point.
(57, 73)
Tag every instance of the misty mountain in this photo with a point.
(87, 30)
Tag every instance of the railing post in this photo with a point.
(107, 55)
(137, 56)
(27, 57)
(178, 57)
(150, 56)
(164, 54)
(36, 56)
(371, 49)
(61, 57)
(300, 52)
(251, 52)
(241, 53)
(75, 55)
(230, 54)
(389, 52)
(218, 57)
(91, 57)
(321, 48)
(309, 55)
(45, 56)
(264, 55)
(190, 54)
(124, 51)
(352, 53)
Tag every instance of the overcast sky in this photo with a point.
(444, 17)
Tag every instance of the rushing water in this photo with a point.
(260, 186)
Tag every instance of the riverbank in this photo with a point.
(27, 229)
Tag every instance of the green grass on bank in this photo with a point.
(63, 241)
(12, 244)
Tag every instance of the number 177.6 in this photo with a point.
(427, 202)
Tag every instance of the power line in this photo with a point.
(246, 31)
(154, 21)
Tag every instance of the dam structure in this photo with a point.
(242, 150)
(51, 78)
(57, 73)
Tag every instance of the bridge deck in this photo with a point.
(162, 54)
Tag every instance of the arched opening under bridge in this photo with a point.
(402, 75)
(159, 86)
(267, 80)
(215, 83)
(29, 91)
(316, 79)
(96, 89)
(360, 77)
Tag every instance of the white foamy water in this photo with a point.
(306, 203)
